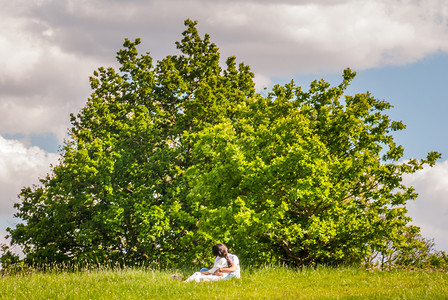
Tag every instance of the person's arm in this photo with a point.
(219, 264)
(230, 269)
(225, 270)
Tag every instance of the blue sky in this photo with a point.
(49, 48)
(418, 92)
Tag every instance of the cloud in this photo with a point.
(19, 166)
(289, 36)
(309, 37)
(430, 209)
(40, 82)
(48, 48)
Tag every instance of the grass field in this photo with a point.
(264, 283)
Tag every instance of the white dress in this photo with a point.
(234, 259)
(220, 262)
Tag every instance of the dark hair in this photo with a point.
(221, 251)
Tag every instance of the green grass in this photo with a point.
(265, 283)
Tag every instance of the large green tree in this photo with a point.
(166, 159)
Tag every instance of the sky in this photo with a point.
(399, 49)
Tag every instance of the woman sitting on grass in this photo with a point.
(216, 273)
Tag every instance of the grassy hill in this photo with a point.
(265, 283)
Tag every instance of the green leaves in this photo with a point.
(166, 159)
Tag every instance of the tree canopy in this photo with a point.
(167, 158)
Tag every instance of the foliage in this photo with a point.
(417, 252)
(8, 260)
(164, 160)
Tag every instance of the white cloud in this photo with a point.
(34, 119)
(48, 48)
(430, 209)
(19, 50)
(309, 37)
(19, 166)
(19, 54)
(3, 240)
(40, 88)
(40, 82)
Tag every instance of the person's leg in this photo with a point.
(194, 277)
(210, 278)
(199, 277)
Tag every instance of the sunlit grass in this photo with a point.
(264, 283)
